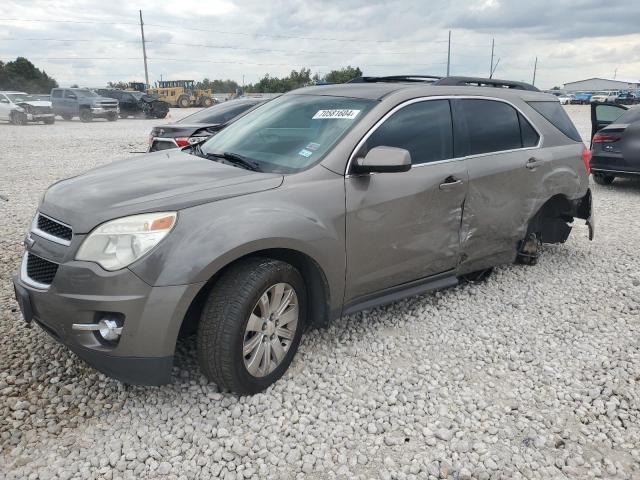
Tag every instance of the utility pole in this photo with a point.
(449, 55)
(144, 52)
(615, 73)
(535, 67)
(493, 41)
(495, 67)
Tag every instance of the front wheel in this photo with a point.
(86, 115)
(18, 118)
(50, 120)
(602, 179)
(251, 325)
(184, 101)
(112, 116)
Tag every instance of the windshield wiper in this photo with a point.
(236, 159)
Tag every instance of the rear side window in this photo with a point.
(423, 128)
(493, 126)
(530, 137)
(56, 94)
(554, 112)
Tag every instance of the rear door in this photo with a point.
(405, 226)
(505, 168)
(603, 114)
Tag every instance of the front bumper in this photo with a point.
(83, 293)
(39, 117)
(100, 112)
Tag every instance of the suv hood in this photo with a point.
(168, 180)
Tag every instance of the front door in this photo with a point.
(405, 226)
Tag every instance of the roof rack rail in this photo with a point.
(485, 82)
(397, 78)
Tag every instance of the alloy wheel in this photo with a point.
(270, 329)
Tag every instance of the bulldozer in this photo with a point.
(182, 93)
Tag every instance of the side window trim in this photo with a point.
(455, 113)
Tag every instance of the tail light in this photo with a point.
(182, 141)
(605, 138)
(586, 158)
(186, 141)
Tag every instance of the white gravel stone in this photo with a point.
(533, 373)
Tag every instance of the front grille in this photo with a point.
(40, 110)
(40, 270)
(52, 227)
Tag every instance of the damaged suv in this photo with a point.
(320, 203)
(136, 104)
(20, 108)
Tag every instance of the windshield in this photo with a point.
(605, 94)
(221, 113)
(290, 133)
(85, 93)
(18, 97)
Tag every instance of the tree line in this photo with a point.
(23, 76)
(295, 79)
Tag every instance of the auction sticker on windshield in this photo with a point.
(338, 114)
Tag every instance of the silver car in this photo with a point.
(318, 204)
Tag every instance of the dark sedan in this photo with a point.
(615, 142)
(201, 125)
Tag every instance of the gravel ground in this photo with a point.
(534, 373)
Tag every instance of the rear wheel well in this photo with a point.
(552, 222)
(314, 277)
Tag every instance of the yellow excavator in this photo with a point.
(182, 93)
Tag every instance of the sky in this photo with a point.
(89, 42)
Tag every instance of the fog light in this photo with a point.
(109, 329)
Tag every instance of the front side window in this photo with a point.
(56, 94)
(84, 93)
(493, 126)
(289, 133)
(423, 128)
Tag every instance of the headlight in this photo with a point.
(119, 243)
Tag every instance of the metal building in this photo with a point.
(595, 84)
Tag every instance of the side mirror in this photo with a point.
(4, 100)
(72, 95)
(384, 160)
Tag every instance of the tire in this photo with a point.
(529, 250)
(86, 115)
(602, 179)
(50, 120)
(18, 118)
(184, 101)
(207, 102)
(67, 117)
(232, 321)
(112, 116)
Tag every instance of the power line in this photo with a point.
(225, 47)
(224, 32)
(230, 62)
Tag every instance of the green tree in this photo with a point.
(342, 75)
(22, 75)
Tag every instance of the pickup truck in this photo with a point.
(83, 103)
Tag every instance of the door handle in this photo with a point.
(533, 163)
(450, 182)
